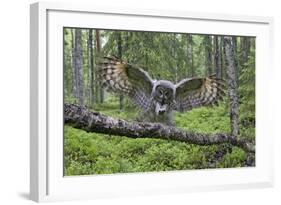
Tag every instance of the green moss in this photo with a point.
(93, 153)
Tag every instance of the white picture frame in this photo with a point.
(47, 182)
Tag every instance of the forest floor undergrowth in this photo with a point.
(94, 153)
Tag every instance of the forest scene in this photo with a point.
(106, 131)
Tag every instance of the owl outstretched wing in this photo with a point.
(126, 79)
(196, 92)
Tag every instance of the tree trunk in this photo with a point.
(190, 68)
(91, 69)
(175, 62)
(217, 57)
(245, 45)
(77, 56)
(232, 85)
(67, 63)
(98, 43)
(119, 48)
(74, 74)
(235, 51)
(208, 54)
(222, 51)
(80, 117)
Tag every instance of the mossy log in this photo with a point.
(82, 118)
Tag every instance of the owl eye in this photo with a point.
(160, 91)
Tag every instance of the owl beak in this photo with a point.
(160, 109)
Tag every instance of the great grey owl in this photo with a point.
(159, 98)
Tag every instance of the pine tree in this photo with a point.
(77, 59)
(232, 84)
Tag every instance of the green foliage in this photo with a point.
(164, 55)
(205, 119)
(93, 153)
(234, 159)
(246, 93)
(111, 108)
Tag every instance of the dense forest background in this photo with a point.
(167, 56)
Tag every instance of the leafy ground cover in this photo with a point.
(93, 153)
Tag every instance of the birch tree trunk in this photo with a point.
(232, 84)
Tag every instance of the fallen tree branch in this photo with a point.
(82, 118)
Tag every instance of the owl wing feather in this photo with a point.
(196, 92)
(126, 79)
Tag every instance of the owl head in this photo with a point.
(163, 94)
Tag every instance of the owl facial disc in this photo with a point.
(160, 109)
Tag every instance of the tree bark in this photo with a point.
(119, 49)
(67, 63)
(223, 73)
(91, 68)
(175, 61)
(80, 117)
(190, 67)
(77, 66)
(232, 84)
(74, 83)
(217, 57)
(235, 51)
(208, 54)
(98, 43)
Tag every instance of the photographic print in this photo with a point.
(140, 101)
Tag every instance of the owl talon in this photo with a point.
(161, 112)
(160, 109)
